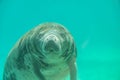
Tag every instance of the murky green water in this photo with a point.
(94, 24)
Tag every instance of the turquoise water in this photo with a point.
(94, 24)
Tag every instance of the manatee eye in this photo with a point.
(55, 39)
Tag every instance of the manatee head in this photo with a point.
(51, 40)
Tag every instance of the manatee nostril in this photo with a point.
(54, 39)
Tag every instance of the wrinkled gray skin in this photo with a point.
(47, 52)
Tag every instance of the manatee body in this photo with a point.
(47, 52)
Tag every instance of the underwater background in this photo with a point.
(94, 24)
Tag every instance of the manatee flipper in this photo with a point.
(73, 69)
(37, 72)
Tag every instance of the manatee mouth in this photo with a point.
(51, 44)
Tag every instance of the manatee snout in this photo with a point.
(51, 44)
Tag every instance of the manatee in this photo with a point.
(46, 52)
